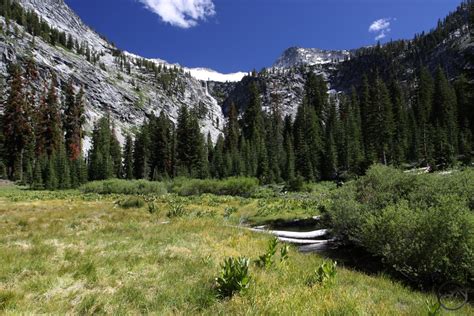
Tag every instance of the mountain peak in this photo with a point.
(295, 56)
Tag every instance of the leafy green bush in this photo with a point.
(420, 225)
(324, 274)
(232, 186)
(116, 186)
(266, 260)
(234, 277)
(132, 202)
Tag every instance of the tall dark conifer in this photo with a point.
(17, 127)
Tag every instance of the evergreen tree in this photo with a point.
(190, 146)
(218, 166)
(51, 182)
(307, 142)
(128, 158)
(329, 161)
(101, 165)
(422, 112)
(17, 126)
(354, 138)
(253, 117)
(444, 119)
(49, 131)
(141, 153)
(63, 173)
(116, 154)
(162, 141)
(74, 120)
(289, 168)
(400, 140)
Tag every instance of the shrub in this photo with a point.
(244, 187)
(234, 277)
(132, 202)
(324, 274)
(130, 187)
(422, 226)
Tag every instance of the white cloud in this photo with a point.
(181, 13)
(382, 27)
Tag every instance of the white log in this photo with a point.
(297, 235)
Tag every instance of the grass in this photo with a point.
(65, 252)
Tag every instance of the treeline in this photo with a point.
(329, 137)
(42, 134)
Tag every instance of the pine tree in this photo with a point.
(422, 112)
(232, 130)
(116, 154)
(141, 154)
(190, 146)
(17, 127)
(49, 131)
(37, 183)
(329, 161)
(217, 165)
(444, 119)
(73, 121)
(161, 135)
(51, 180)
(354, 142)
(63, 173)
(128, 158)
(289, 168)
(400, 140)
(253, 117)
(307, 142)
(101, 164)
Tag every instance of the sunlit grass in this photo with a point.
(61, 252)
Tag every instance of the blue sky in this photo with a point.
(235, 35)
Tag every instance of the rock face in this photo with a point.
(295, 56)
(129, 96)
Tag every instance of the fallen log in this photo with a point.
(305, 241)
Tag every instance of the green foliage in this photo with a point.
(267, 259)
(284, 252)
(234, 277)
(152, 208)
(115, 186)
(433, 308)
(176, 210)
(132, 202)
(295, 184)
(231, 186)
(325, 274)
(420, 225)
